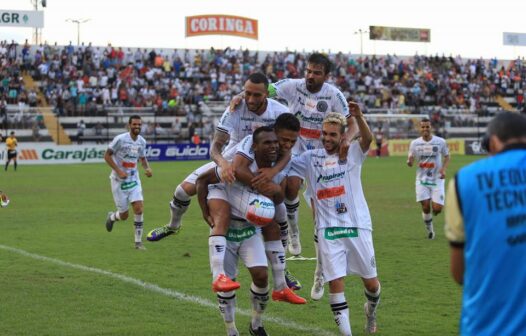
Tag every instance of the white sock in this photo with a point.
(178, 207)
(340, 310)
(115, 216)
(373, 299)
(259, 298)
(138, 219)
(292, 215)
(284, 233)
(216, 250)
(428, 218)
(227, 307)
(276, 256)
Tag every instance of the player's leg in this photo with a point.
(292, 203)
(252, 252)
(317, 290)
(138, 222)
(121, 202)
(15, 162)
(438, 197)
(227, 300)
(334, 259)
(372, 290)
(179, 205)
(423, 195)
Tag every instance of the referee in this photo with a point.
(11, 143)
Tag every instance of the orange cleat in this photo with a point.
(224, 284)
(288, 295)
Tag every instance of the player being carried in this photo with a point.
(123, 155)
(244, 240)
(254, 111)
(309, 99)
(432, 155)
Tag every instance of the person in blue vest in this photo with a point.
(486, 228)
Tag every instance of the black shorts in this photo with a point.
(11, 154)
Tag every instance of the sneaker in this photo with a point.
(161, 232)
(139, 246)
(370, 325)
(287, 295)
(224, 284)
(430, 231)
(292, 282)
(294, 244)
(109, 222)
(316, 293)
(257, 332)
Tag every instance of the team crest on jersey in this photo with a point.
(435, 149)
(340, 208)
(322, 106)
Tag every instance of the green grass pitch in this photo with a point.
(63, 274)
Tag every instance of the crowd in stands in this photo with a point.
(86, 80)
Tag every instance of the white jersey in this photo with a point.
(310, 109)
(243, 122)
(239, 194)
(335, 186)
(428, 155)
(126, 154)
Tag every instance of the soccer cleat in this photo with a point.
(109, 222)
(161, 232)
(292, 282)
(139, 246)
(224, 284)
(370, 324)
(316, 293)
(257, 332)
(430, 231)
(287, 295)
(294, 244)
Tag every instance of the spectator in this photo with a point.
(81, 127)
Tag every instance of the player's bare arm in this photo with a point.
(208, 177)
(227, 171)
(273, 191)
(410, 160)
(146, 165)
(366, 136)
(242, 171)
(108, 157)
(265, 175)
(444, 167)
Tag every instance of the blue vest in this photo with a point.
(492, 199)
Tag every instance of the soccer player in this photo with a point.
(342, 219)
(4, 200)
(11, 143)
(243, 239)
(485, 226)
(432, 155)
(123, 155)
(309, 99)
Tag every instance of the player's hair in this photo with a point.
(321, 59)
(507, 125)
(135, 116)
(287, 121)
(336, 118)
(12, 133)
(259, 130)
(258, 78)
(425, 120)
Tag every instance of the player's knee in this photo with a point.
(437, 208)
(372, 285)
(260, 277)
(293, 187)
(123, 215)
(189, 188)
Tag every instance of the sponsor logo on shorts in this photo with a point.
(333, 233)
(238, 235)
(128, 185)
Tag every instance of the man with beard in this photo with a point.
(123, 155)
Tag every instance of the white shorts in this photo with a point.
(217, 191)
(251, 251)
(435, 193)
(192, 178)
(347, 255)
(122, 196)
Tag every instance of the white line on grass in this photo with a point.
(166, 291)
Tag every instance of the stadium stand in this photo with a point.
(54, 87)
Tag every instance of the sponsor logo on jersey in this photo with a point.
(330, 192)
(314, 118)
(310, 133)
(327, 178)
(341, 208)
(426, 165)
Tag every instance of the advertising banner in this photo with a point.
(219, 24)
(42, 153)
(399, 34)
(20, 18)
(514, 39)
(401, 147)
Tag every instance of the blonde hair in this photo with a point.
(335, 118)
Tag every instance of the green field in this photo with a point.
(63, 274)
